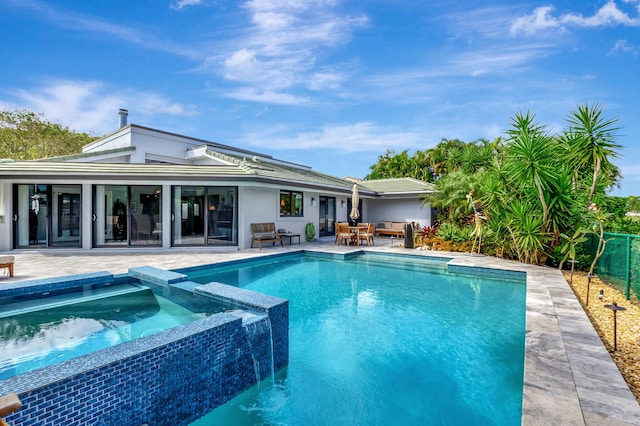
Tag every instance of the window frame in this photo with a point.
(287, 202)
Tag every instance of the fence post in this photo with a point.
(628, 277)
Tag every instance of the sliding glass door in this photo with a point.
(126, 215)
(47, 215)
(204, 215)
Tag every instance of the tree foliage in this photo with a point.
(527, 193)
(26, 135)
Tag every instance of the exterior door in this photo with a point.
(204, 215)
(47, 215)
(126, 215)
(327, 218)
(66, 214)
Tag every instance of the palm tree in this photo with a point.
(450, 196)
(591, 142)
(443, 158)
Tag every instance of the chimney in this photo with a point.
(123, 113)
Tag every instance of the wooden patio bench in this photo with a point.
(265, 233)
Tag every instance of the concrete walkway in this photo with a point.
(570, 378)
(35, 264)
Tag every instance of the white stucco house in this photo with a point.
(145, 187)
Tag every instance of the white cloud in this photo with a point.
(356, 137)
(80, 22)
(280, 51)
(181, 4)
(607, 15)
(266, 96)
(542, 19)
(91, 106)
(326, 80)
(492, 60)
(624, 47)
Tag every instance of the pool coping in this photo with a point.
(569, 379)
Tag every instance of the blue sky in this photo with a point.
(327, 83)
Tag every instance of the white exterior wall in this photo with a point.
(261, 204)
(123, 159)
(147, 142)
(119, 139)
(159, 144)
(6, 219)
(255, 204)
(341, 212)
(397, 210)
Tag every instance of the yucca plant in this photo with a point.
(590, 139)
(526, 230)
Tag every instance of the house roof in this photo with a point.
(241, 170)
(207, 161)
(71, 157)
(395, 186)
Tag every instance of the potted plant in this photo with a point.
(310, 231)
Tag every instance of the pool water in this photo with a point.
(381, 340)
(42, 332)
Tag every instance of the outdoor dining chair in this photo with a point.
(367, 235)
(343, 233)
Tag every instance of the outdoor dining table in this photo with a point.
(356, 231)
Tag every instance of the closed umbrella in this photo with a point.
(355, 200)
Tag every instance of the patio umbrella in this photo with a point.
(355, 200)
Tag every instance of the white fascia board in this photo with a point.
(200, 155)
(117, 157)
(118, 139)
(166, 159)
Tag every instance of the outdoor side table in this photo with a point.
(290, 236)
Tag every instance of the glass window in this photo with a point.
(145, 205)
(48, 215)
(204, 215)
(127, 215)
(290, 203)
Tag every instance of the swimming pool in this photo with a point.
(171, 376)
(41, 331)
(378, 339)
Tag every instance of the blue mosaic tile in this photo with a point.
(488, 272)
(156, 275)
(239, 295)
(172, 377)
(238, 262)
(23, 288)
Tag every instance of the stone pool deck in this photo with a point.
(570, 379)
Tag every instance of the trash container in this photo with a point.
(408, 235)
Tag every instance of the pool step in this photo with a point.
(156, 275)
